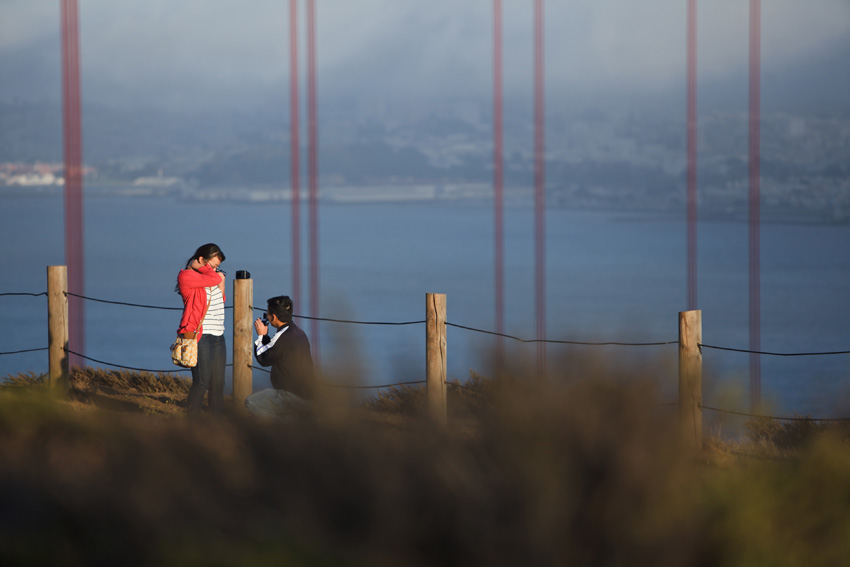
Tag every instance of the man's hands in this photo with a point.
(260, 328)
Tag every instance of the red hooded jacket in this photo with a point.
(192, 285)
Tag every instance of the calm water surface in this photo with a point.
(610, 277)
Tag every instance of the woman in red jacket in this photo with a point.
(201, 284)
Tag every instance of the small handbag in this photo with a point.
(184, 350)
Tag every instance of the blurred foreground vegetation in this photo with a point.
(584, 469)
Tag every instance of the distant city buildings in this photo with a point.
(594, 159)
(36, 174)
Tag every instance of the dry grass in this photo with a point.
(583, 469)
(115, 390)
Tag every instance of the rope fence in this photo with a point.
(776, 353)
(127, 367)
(67, 293)
(448, 324)
(249, 310)
(556, 341)
(357, 322)
(25, 350)
(778, 418)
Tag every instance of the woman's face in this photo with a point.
(214, 262)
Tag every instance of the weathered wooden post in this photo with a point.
(57, 328)
(243, 324)
(690, 377)
(435, 355)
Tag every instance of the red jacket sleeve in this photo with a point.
(206, 276)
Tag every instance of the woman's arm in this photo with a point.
(205, 276)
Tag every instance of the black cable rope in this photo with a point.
(360, 322)
(25, 350)
(775, 417)
(28, 294)
(129, 367)
(775, 353)
(347, 320)
(837, 419)
(123, 303)
(69, 351)
(473, 329)
(554, 341)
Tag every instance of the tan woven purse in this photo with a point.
(184, 350)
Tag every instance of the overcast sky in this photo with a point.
(177, 52)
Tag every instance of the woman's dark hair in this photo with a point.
(207, 252)
(281, 306)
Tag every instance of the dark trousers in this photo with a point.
(208, 374)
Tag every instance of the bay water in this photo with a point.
(613, 276)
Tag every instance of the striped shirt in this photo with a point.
(214, 321)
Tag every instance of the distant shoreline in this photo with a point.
(424, 193)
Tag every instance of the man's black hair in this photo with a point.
(281, 306)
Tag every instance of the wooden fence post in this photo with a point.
(57, 328)
(243, 325)
(690, 377)
(435, 355)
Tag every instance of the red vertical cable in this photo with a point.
(692, 154)
(539, 187)
(754, 201)
(498, 173)
(295, 153)
(72, 139)
(66, 120)
(77, 140)
(312, 158)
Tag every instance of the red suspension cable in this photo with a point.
(312, 164)
(539, 187)
(754, 201)
(498, 172)
(295, 153)
(72, 146)
(692, 154)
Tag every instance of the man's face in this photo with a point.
(273, 320)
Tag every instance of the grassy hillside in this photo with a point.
(585, 469)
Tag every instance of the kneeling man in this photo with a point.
(288, 353)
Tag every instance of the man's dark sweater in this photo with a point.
(290, 359)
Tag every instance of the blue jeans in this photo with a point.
(208, 374)
(271, 404)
